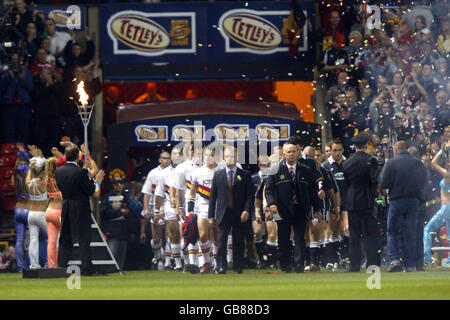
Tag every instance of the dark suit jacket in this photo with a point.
(279, 190)
(361, 177)
(243, 194)
(76, 187)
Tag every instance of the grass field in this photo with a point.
(253, 284)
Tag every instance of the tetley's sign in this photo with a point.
(152, 34)
(257, 32)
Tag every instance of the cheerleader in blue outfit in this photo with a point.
(22, 205)
(444, 213)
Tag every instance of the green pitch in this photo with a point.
(253, 284)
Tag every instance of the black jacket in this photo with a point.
(243, 194)
(76, 188)
(279, 190)
(361, 174)
(114, 223)
(404, 176)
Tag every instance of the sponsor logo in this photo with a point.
(116, 174)
(151, 133)
(272, 132)
(145, 34)
(70, 19)
(231, 132)
(184, 132)
(252, 31)
(140, 33)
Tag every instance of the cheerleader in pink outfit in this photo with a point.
(53, 213)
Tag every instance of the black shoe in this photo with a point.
(220, 271)
(180, 269)
(187, 268)
(286, 270)
(395, 266)
(194, 269)
(92, 274)
(259, 265)
(238, 271)
(420, 268)
(299, 269)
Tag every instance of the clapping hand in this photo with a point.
(56, 153)
(65, 141)
(100, 176)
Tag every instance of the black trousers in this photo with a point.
(420, 228)
(298, 224)
(231, 220)
(76, 227)
(363, 224)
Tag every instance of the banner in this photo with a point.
(157, 132)
(234, 40)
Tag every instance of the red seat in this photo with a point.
(9, 203)
(10, 148)
(6, 172)
(8, 161)
(6, 186)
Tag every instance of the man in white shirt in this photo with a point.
(58, 40)
(148, 190)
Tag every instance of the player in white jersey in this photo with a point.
(148, 190)
(165, 208)
(198, 202)
(183, 174)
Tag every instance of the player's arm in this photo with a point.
(191, 198)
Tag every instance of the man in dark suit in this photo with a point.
(291, 190)
(361, 173)
(230, 204)
(76, 186)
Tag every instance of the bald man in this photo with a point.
(406, 178)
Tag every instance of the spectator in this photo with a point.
(45, 44)
(24, 16)
(427, 134)
(8, 260)
(405, 177)
(341, 87)
(16, 85)
(72, 51)
(444, 38)
(114, 210)
(31, 40)
(46, 129)
(41, 63)
(336, 59)
(58, 41)
(150, 95)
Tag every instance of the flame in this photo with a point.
(83, 95)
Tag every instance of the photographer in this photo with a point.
(16, 85)
(114, 210)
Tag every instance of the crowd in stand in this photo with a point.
(36, 80)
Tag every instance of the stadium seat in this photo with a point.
(9, 148)
(8, 161)
(6, 186)
(8, 203)
(6, 172)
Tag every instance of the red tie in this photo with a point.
(230, 189)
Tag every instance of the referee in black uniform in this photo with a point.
(361, 173)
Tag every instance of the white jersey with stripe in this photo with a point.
(183, 174)
(202, 177)
(150, 184)
(167, 180)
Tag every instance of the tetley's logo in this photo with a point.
(145, 33)
(250, 31)
(140, 33)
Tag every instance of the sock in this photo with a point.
(167, 254)
(156, 247)
(259, 244)
(315, 254)
(271, 253)
(230, 249)
(214, 256)
(192, 250)
(176, 253)
(206, 247)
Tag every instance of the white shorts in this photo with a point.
(170, 216)
(203, 215)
